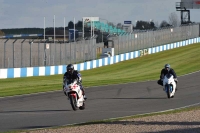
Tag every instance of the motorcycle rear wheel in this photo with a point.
(82, 107)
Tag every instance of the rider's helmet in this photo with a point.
(167, 67)
(70, 69)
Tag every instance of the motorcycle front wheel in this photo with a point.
(73, 102)
(167, 87)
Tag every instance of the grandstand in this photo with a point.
(105, 27)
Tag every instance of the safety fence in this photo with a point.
(151, 38)
(60, 69)
(16, 53)
(19, 53)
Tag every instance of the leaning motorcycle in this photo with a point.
(75, 95)
(169, 85)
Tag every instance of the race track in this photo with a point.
(53, 109)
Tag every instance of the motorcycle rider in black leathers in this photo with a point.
(165, 71)
(72, 75)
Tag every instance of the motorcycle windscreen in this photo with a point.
(69, 81)
(168, 75)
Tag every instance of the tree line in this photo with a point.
(38, 30)
(140, 25)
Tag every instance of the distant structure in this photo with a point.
(183, 7)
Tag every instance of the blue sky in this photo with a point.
(31, 13)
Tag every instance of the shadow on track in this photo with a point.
(34, 111)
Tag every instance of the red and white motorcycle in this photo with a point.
(75, 95)
(169, 85)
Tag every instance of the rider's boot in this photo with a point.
(64, 91)
(163, 87)
(84, 96)
(176, 86)
(160, 83)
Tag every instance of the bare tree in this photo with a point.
(164, 24)
(173, 19)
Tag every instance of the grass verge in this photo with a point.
(183, 60)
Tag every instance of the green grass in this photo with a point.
(183, 60)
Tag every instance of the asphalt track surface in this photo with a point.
(53, 109)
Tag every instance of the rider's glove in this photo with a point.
(175, 79)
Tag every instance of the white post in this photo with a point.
(54, 28)
(44, 28)
(64, 30)
(91, 26)
(54, 38)
(64, 41)
(131, 28)
(83, 28)
(74, 31)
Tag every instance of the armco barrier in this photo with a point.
(53, 70)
